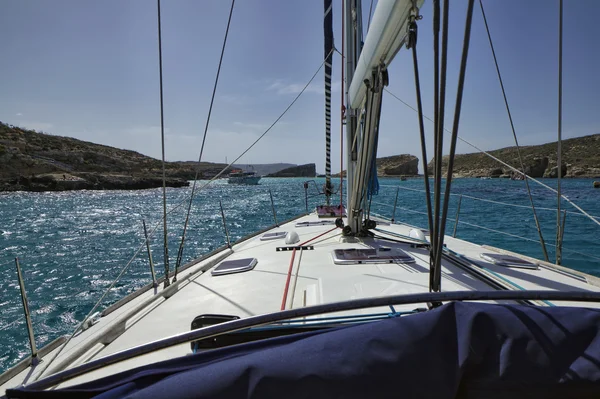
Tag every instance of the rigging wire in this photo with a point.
(91, 312)
(215, 177)
(413, 37)
(212, 100)
(440, 107)
(342, 113)
(436, 101)
(539, 208)
(512, 126)
(162, 142)
(559, 142)
(582, 211)
(483, 228)
(369, 20)
(457, 108)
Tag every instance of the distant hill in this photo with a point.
(37, 161)
(580, 158)
(308, 170)
(264, 169)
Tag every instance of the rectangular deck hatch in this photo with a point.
(508, 261)
(234, 266)
(355, 256)
(273, 236)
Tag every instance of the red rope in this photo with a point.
(289, 274)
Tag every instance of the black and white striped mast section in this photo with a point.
(328, 33)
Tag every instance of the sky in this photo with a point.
(89, 69)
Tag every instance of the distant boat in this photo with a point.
(238, 176)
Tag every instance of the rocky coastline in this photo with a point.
(32, 161)
(86, 181)
(580, 159)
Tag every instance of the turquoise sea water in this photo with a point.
(71, 245)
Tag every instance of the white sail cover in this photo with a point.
(387, 33)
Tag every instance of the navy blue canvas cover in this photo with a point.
(459, 350)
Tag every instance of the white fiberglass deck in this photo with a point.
(151, 317)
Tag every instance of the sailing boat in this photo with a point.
(341, 307)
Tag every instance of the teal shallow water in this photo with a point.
(71, 245)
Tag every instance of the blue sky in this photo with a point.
(88, 69)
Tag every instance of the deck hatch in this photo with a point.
(273, 236)
(508, 261)
(234, 266)
(353, 256)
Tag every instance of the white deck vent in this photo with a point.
(509, 261)
(273, 236)
(234, 266)
(356, 256)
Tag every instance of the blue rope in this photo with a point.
(373, 188)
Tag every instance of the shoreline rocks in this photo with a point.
(85, 181)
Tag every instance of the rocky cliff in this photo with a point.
(308, 170)
(39, 162)
(398, 165)
(580, 158)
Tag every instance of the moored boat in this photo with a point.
(238, 176)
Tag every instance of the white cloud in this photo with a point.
(19, 114)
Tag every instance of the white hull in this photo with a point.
(315, 279)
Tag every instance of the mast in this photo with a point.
(366, 78)
(352, 50)
(328, 33)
